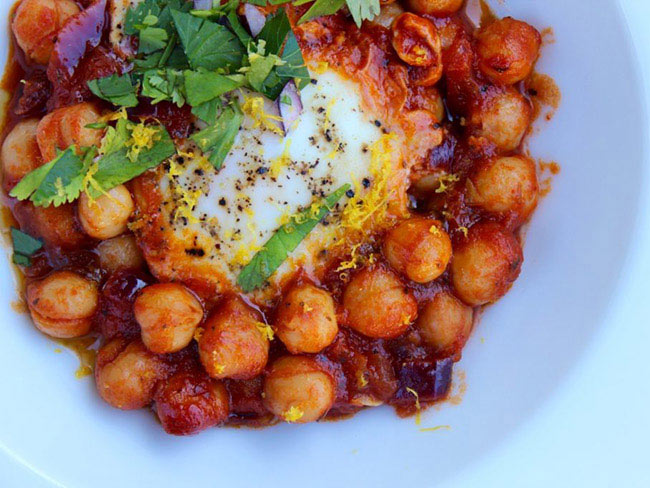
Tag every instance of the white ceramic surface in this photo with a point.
(62, 434)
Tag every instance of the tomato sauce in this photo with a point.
(366, 371)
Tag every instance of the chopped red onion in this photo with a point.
(255, 19)
(79, 34)
(290, 105)
(202, 4)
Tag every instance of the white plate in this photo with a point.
(59, 430)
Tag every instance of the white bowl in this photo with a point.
(63, 434)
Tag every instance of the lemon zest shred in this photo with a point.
(320, 67)
(361, 207)
(435, 429)
(363, 382)
(434, 230)
(464, 230)
(354, 260)
(253, 106)
(142, 137)
(266, 330)
(282, 161)
(113, 116)
(446, 181)
(418, 409)
(293, 414)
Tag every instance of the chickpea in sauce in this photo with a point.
(371, 327)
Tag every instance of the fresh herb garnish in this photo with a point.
(117, 89)
(122, 158)
(285, 240)
(164, 85)
(25, 246)
(360, 9)
(197, 58)
(207, 44)
(219, 137)
(203, 86)
(320, 8)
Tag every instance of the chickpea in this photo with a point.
(437, 8)
(37, 23)
(503, 119)
(485, 264)
(120, 252)
(107, 215)
(63, 304)
(507, 184)
(445, 323)
(126, 374)
(57, 226)
(298, 390)
(306, 319)
(418, 248)
(66, 127)
(507, 50)
(388, 14)
(377, 304)
(20, 153)
(417, 43)
(187, 403)
(232, 344)
(168, 314)
(416, 40)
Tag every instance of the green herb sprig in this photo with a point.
(285, 240)
(25, 246)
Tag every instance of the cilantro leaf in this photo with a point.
(31, 181)
(152, 39)
(294, 66)
(119, 90)
(24, 246)
(135, 16)
(164, 84)
(115, 137)
(239, 30)
(363, 10)
(63, 179)
(202, 86)
(207, 44)
(115, 168)
(260, 68)
(57, 182)
(275, 31)
(285, 240)
(320, 8)
(219, 138)
(21, 260)
(208, 111)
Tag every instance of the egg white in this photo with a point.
(268, 177)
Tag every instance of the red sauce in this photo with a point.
(365, 370)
